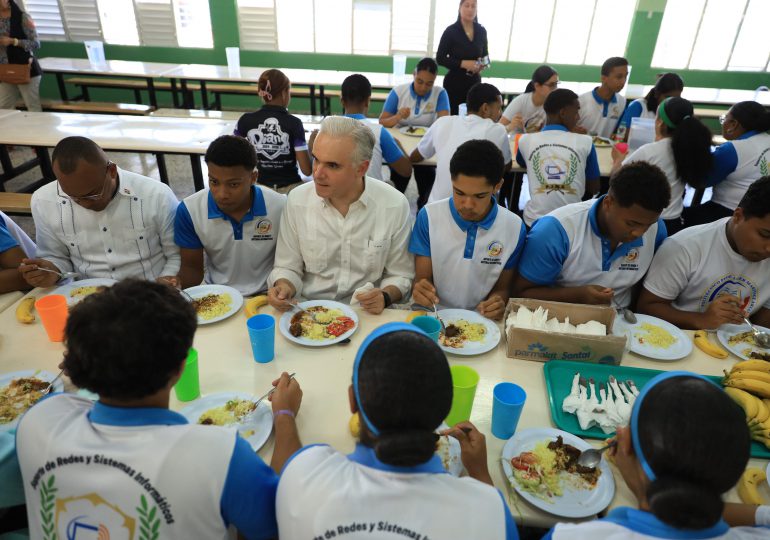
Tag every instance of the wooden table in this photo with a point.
(226, 364)
(143, 134)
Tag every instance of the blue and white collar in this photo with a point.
(258, 206)
(466, 225)
(647, 524)
(134, 416)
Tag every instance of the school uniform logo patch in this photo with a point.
(428, 108)
(263, 230)
(553, 172)
(632, 255)
(495, 249)
(269, 139)
(739, 286)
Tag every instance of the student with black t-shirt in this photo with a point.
(277, 136)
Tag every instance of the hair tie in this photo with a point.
(686, 117)
(265, 94)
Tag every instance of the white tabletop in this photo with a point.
(110, 67)
(8, 299)
(226, 364)
(115, 132)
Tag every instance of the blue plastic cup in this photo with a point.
(262, 336)
(429, 325)
(507, 403)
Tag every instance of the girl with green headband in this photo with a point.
(682, 150)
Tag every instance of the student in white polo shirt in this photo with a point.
(356, 93)
(682, 150)
(668, 85)
(715, 273)
(467, 247)
(525, 113)
(227, 233)
(393, 485)
(126, 463)
(418, 103)
(561, 165)
(484, 104)
(686, 447)
(596, 251)
(745, 157)
(602, 107)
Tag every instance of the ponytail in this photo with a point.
(271, 84)
(683, 504)
(690, 141)
(751, 115)
(407, 448)
(540, 76)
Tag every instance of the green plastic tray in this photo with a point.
(558, 381)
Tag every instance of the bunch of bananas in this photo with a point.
(707, 346)
(748, 383)
(252, 305)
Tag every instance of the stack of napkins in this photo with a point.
(538, 320)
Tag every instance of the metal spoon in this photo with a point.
(300, 308)
(591, 458)
(760, 338)
(47, 389)
(628, 315)
(443, 326)
(62, 275)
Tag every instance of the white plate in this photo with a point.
(471, 348)
(260, 421)
(202, 290)
(285, 322)
(65, 290)
(449, 452)
(574, 503)
(726, 331)
(6, 378)
(405, 131)
(678, 350)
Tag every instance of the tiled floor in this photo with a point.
(178, 167)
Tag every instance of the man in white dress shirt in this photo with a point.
(100, 221)
(344, 230)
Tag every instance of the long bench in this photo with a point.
(16, 203)
(102, 107)
(137, 85)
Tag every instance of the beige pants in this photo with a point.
(30, 93)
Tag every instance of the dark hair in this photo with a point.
(427, 64)
(478, 158)
(405, 388)
(70, 150)
(696, 440)
(278, 82)
(231, 151)
(690, 142)
(356, 89)
(641, 183)
(558, 99)
(127, 341)
(540, 76)
(613, 62)
(475, 19)
(479, 94)
(756, 201)
(668, 82)
(751, 115)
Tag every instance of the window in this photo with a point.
(163, 23)
(714, 35)
(559, 31)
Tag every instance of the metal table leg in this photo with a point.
(195, 163)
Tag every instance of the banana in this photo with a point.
(24, 310)
(252, 305)
(750, 374)
(747, 486)
(414, 314)
(752, 365)
(748, 403)
(761, 439)
(752, 386)
(355, 425)
(763, 413)
(712, 349)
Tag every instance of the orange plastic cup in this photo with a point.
(53, 314)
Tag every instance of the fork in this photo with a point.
(312, 315)
(47, 389)
(62, 275)
(268, 394)
(443, 326)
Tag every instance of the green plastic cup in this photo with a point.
(188, 386)
(464, 382)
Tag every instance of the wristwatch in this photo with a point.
(388, 301)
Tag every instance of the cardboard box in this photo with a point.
(541, 346)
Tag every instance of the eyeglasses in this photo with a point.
(552, 84)
(88, 197)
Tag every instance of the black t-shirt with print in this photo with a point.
(276, 135)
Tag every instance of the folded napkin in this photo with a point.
(365, 288)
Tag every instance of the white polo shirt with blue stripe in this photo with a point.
(467, 256)
(422, 109)
(238, 254)
(566, 249)
(91, 470)
(325, 494)
(600, 117)
(558, 164)
(631, 524)
(385, 148)
(737, 164)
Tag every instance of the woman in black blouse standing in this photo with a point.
(463, 50)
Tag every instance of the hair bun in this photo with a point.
(684, 504)
(406, 448)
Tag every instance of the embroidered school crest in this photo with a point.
(739, 286)
(554, 172)
(632, 255)
(494, 249)
(269, 139)
(264, 226)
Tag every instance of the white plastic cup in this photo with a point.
(233, 60)
(95, 52)
(642, 132)
(399, 65)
